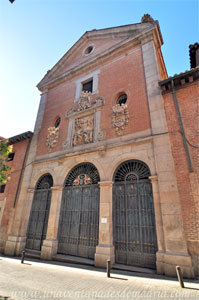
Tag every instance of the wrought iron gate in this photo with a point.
(38, 221)
(79, 217)
(134, 220)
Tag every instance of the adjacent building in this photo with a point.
(10, 191)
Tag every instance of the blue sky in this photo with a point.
(35, 34)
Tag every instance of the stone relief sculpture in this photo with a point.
(84, 126)
(120, 117)
(85, 102)
(52, 137)
(83, 131)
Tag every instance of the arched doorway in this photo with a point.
(133, 215)
(38, 221)
(79, 218)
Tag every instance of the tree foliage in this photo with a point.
(5, 170)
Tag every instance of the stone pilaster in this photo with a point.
(17, 237)
(105, 248)
(49, 247)
(16, 241)
(158, 222)
(174, 238)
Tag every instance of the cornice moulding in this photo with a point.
(72, 152)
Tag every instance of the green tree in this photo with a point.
(5, 170)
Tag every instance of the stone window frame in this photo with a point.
(91, 76)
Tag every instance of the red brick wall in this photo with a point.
(122, 75)
(187, 182)
(11, 185)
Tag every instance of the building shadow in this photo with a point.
(114, 272)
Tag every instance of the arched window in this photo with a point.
(57, 122)
(45, 182)
(84, 173)
(122, 99)
(131, 170)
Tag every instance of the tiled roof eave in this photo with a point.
(179, 79)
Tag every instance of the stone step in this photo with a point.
(133, 269)
(73, 259)
(32, 253)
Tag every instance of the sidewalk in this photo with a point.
(37, 279)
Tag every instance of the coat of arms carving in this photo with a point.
(52, 137)
(120, 117)
(83, 133)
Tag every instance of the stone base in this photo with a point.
(49, 249)
(167, 261)
(104, 252)
(15, 245)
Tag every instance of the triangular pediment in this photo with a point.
(100, 42)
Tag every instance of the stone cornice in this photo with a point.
(132, 41)
(131, 139)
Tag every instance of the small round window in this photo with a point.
(88, 50)
(122, 99)
(57, 122)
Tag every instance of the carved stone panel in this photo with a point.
(84, 103)
(52, 137)
(83, 130)
(120, 117)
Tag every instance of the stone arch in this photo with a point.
(45, 181)
(87, 168)
(71, 164)
(130, 170)
(124, 157)
(42, 172)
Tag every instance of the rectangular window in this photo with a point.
(88, 86)
(2, 188)
(11, 156)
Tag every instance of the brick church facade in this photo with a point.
(112, 170)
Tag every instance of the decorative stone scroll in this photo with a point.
(120, 117)
(52, 137)
(83, 131)
(85, 102)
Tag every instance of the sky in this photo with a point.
(35, 34)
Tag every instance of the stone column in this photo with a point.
(16, 241)
(49, 247)
(159, 225)
(105, 248)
